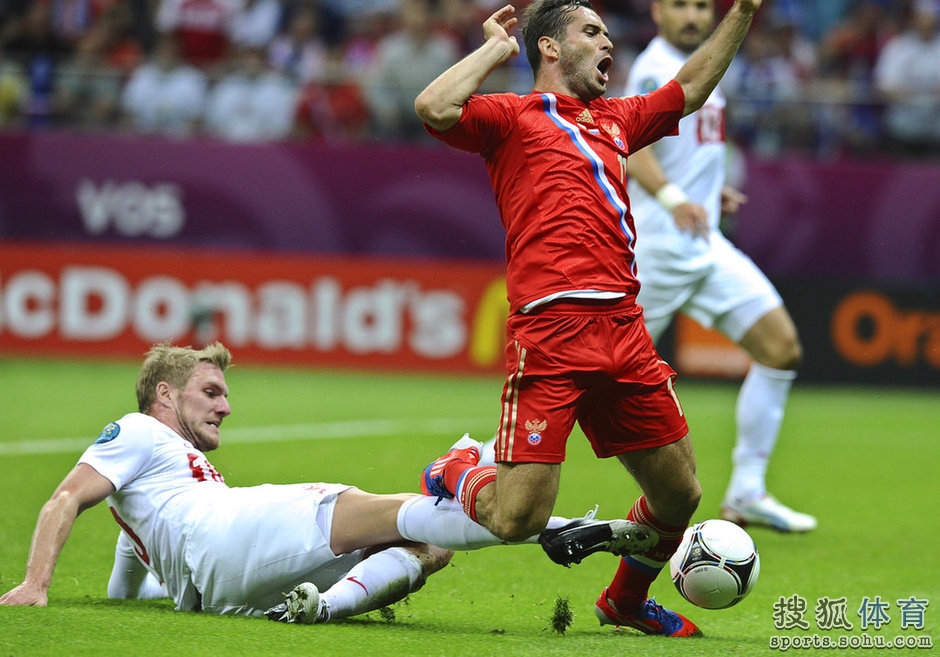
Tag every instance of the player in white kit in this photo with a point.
(187, 535)
(686, 265)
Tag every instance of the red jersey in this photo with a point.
(558, 168)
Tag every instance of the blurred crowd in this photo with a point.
(828, 78)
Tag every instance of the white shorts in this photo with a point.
(724, 289)
(244, 559)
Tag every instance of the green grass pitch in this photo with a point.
(864, 460)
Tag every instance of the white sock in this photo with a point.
(376, 581)
(444, 524)
(759, 415)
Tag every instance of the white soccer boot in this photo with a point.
(769, 512)
(302, 605)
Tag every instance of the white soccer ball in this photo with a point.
(716, 564)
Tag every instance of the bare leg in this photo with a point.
(667, 477)
(773, 341)
(363, 520)
(519, 503)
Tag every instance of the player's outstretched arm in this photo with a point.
(701, 73)
(81, 489)
(440, 105)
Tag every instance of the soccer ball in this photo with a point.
(716, 564)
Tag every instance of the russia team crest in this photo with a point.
(614, 130)
(535, 429)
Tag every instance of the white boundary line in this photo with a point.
(448, 428)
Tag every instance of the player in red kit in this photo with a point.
(576, 349)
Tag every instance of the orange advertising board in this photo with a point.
(704, 352)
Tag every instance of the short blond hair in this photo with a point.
(173, 364)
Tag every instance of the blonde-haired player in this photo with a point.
(186, 534)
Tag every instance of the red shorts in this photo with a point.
(594, 363)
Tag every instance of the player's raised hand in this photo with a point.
(498, 26)
(731, 199)
(749, 6)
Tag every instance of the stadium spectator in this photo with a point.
(300, 54)
(350, 11)
(88, 85)
(850, 48)
(71, 19)
(685, 264)
(577, 348)
(766, 93)
(405, 62)
(256, 25)
(230, 550)
(30, 41)
(165, 95)
(847, 56)
(332, 110)
(838, 109)
(812, 18)
(793, 45)
(251, 103)
(907, 75)
(358, 50)
(13, 92)
(202, 28)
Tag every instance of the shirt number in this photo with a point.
(202, 470)
(711, 124)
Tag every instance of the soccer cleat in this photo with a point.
(650, 618)
(767, 511)
(302, 605)
(583, 536)
(466, 450)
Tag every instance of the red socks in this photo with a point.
(636, 573)
(470, 482)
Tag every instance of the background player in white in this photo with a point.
(221, 549)
(686, 265)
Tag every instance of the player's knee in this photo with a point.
(517, 528)
(783, 353)
(788, 355)
(677, 505)
(690, 497)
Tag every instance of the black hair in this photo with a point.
(549, 18)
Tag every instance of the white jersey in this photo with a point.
(708, 280)
(162, 483)
(226, 550)
(693, 159)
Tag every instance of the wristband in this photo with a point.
(671, 196)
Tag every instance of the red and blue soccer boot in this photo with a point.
(465, 453)
(650, 618)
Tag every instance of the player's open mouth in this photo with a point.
(603, 67)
